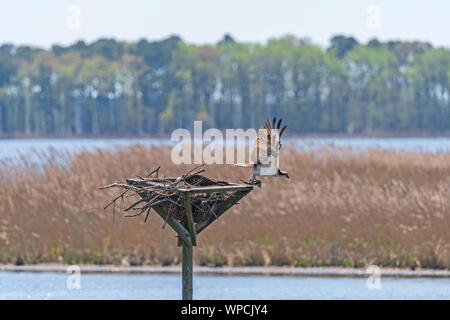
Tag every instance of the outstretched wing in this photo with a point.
(267, 143)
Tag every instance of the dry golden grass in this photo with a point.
(339, 208)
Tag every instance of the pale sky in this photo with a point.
(44, 22)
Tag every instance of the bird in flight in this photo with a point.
(264, 155)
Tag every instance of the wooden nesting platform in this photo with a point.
(188, 204)
(189, 209)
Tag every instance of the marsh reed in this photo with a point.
(341, 208)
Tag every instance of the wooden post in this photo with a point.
(187, 270)
(190, 218)
(188, 231)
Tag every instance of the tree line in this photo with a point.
(111, 87)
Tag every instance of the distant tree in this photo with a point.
(431, 76)
(113, 87)
(58, 50)
(227, 39)
(110, 49)
(8, 68)
(340, 45)
(407, 51)
(374, 43)
(27, 53)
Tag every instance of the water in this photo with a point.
(398, 144)
(12, 148)
(27, 285)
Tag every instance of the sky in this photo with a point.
(46, 22)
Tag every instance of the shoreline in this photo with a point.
(232, 271)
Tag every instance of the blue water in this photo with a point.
(26, 285)
(12, 148)
(399, 144)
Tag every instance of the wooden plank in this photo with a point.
(190, 217)
(208, 189)
(225, 206)
(187, 272)
(234, 188)
(148, 182)
(175, 225)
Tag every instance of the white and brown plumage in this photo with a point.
(264, 155)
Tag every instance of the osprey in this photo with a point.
(264, 155)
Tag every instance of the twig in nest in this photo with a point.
(186, 175)
(134, 204)
(211, 210)
(149, 205)
(114, 211)
(116, 198)
(156, 170)
(166, 194)
(146, 215)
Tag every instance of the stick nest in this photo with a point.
(164, 194)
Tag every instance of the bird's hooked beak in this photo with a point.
(283, 174)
